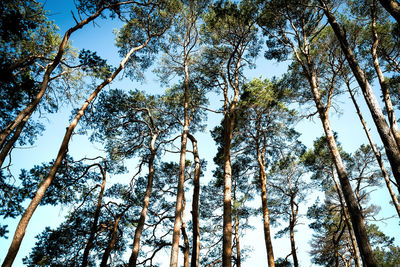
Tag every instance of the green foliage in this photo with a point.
(174, 98)
(94, 65)
(126, 122)
(64, 245)
(389, 256)
(328, 221)
(277, 19)
(148, 21)
(11, 199)
(27, 40)
(72, 180)
(231, 43)
(264, 120)
(281, 262)
(287, 188)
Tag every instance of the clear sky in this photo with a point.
(99, 37)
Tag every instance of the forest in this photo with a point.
(199, 133)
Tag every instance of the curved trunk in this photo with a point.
(25, 114)
(23, 223)
(264, 202)
(385, 91)
(145, 207)
(89, 244)
(392, 150)
(195, 205)
(113, 239)
(355, 213)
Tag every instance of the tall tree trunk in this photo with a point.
(24, 115)
(392, 150)
(195, 205)
(23, 223)
(393, 7)
(186, 249)
(227, 215)
(355, 213)
(378, 156)
(385, 91)
(292, 221)
(264, 202)
(181, 178)
(229, 123)
(145, 207)
(92, 235)
(348, 222)
(113, 239)
(237, 238)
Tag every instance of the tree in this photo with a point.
(303, 22)
(288, 190)
(365, 177)
(183, 103)
(319, 161)
(180, 59)
(231, 36)
(136, 126)
(67, 244)
(377, 154)
(27, 36)
(143, 27)
(242, 193)
(264, 131)
(389, 142)
(18, 116)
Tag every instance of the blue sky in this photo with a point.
(99, 37)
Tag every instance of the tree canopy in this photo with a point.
(196, 127)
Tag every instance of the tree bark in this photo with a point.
(227, 215)
(145, 207)
(186, 249)
(394, 128)
(229, 123)
(355, 213)
(181, 178)
(348, 223)
(392, 150)
(378, 156)
(292, 221)
(264, 202)
(25, 114)
(113, 239)
(393, 7)
(195, 205)
(92, 235)
(23, 223)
